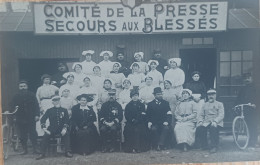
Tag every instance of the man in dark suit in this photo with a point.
(59, 125)
(110, 117)
(26, 116)
(159, 119)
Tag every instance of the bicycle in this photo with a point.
(10, 138)
(239, 127)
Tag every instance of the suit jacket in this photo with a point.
(135, 113)
(159, 113)
(111, 111)
(211, 112)
(58, 118)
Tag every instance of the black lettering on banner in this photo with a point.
(213, 23)
(84, 8)
(156, 25)
(69, 12)
(95, 11)
(202, 23)
(136, 26)
(213, 9)
(203, 9)
(101, 24)
(124, 27)
(193, 10)
(182, 10)
(93, 27)
(58, 11)
(133, 14)
(59, 26)
(77, 11)
(130, 26)
(120, 12)
(158, 9)
(179, 23)
(148, 25)
(49, 25)
(191, 24)
(168, 24)
(112, 25)
(67, 26)
(110, 12)
(170, 9)
(45, 9)
(142, 13)
(80, 25)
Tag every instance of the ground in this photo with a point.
(227, 152)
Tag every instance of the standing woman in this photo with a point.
(84, 132)
(79, 75)
(117, 77)
(88, 64)
(144, 68)
(136, 77)
(106, 65)
(175, 74)
(44, 94)
(155, 74)
(186, 114)
(71, 85)
(135, 130)
(198, 88)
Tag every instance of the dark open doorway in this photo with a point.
(201, 59)
(32, 69)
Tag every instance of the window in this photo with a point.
(233, 64)
(197, 41)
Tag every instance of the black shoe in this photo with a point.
(25, 152)
(213, 150)
(42, 156)
(68, 155)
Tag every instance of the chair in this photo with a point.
(55, 145)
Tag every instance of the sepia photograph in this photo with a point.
(129, 82)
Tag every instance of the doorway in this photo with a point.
(203, 60)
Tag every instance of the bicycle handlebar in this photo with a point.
(11, 113)
(241, 105)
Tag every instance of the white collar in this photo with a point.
(83, 108)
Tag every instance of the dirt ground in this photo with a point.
(227, 152)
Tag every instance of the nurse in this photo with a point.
(88, 64)
(106, 65)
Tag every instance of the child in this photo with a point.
(144, 68)
(106, 65)
(136, 77)
(155, 74)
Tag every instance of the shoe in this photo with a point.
(134, 151)
(213, 150)
(25, 152)
(42, 156)
(158, 148)
(68, 155)
(112, 150)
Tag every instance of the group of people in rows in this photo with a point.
(146, 106)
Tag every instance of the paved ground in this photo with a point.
(227, 152)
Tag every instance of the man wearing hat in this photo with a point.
(88, 64)
(159, 117)
(210, 118)
(110, 117)
(124, 64)
(157, 55)
(57, 79)
(59, 126)
(26, 116)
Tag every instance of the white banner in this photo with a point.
(116, 18)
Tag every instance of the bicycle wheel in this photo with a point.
(6, 141)
(240, 132)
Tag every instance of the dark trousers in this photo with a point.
(251, 118)
(201, 136)
(46, 139)
(109, 135)
(26, 130)
(159, 134)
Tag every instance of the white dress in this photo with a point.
(78, 78)
(177, 78)
(144, 68)
(67, 103)
(117, 78)
(146, 94)
(106, 67)
(136, 79)
(74, 89)
(157, 78)
(87, 67)
(97, 82)
(124, 97)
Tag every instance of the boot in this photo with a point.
(41, 156)
(25, 151)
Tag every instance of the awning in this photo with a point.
(23, 21)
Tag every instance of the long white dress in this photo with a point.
(146, 94)
(78, 78)
(87, 67)
(185, 130)
(136, 79)
(117, 78)
(176, 77)
(124, 97)
(157, 78)
(74, 89)
(97, 82)
(106, 67)
(144, 68)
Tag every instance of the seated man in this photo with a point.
(210, 118)
(159, 119)
(110, 117)
(59, 125)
